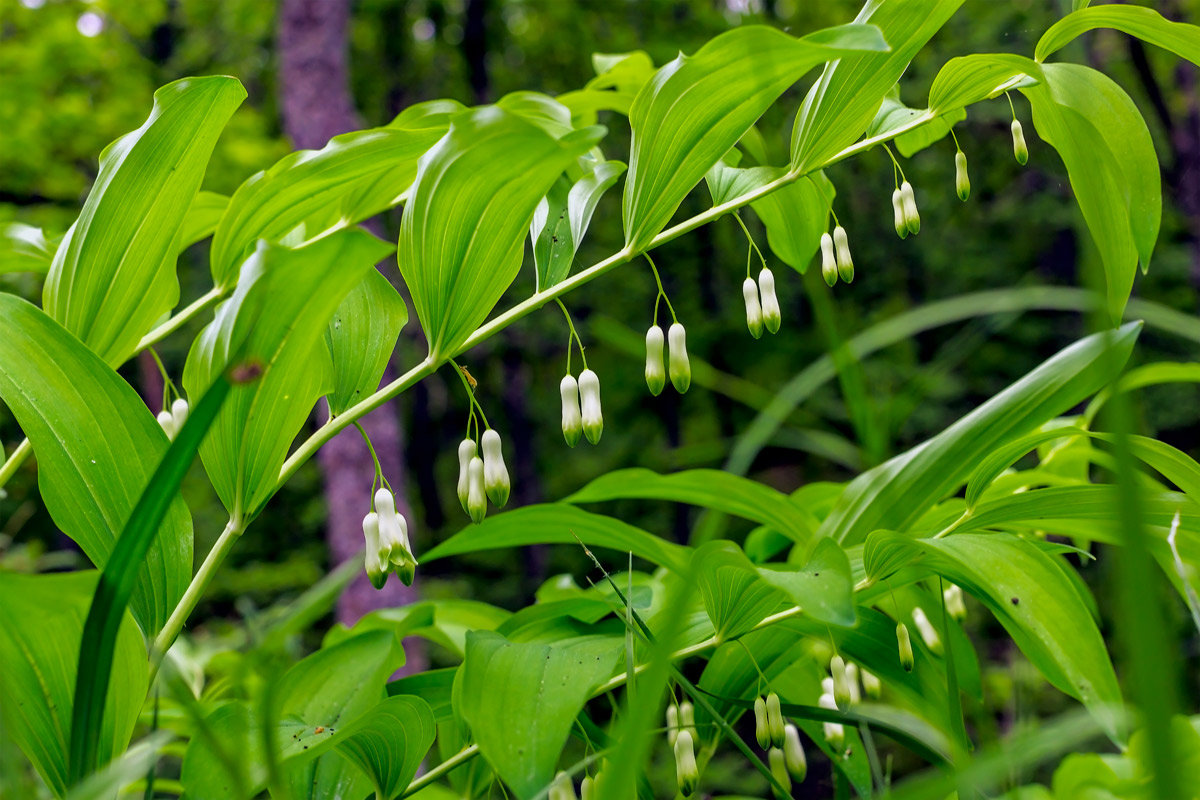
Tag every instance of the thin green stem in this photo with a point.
(574, 334)
(378, 469)
(1011, 107)
(195, 590)
(15, 460)
(957, 146)
(475, 407)
(459, 758)
(661, 291)
(168, 384)
(895, 162)
(176, 322)
(753, 244)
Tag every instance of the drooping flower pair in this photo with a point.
(172, 420)
(781, 740)
(482, 479)
(762, 307)
(680, 366)
(835, 257)
(581, 412)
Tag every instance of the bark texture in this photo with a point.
(316, 104)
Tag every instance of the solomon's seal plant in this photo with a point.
(106, 685)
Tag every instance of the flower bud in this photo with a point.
(686, 772)
(179, 410)
(793, 753)
(572, 422)
(1020, 149)
(908, 199)
(680, 368)
(167, 422)
(562, 788)
(906, 650)
(952, 595)
(761, 732)
(774, 720)
(375, 567)
(835, 732)
(656, 373)
(829, 270)
(672, 723)
(929, 633)
(845, 264)
(587, 788)
(466, 451)
(476, 499)
(962, 181)
(872, 686)
(589, 401)
(898, 217)
(754, 317)
(841, 686)
(770, 303)
(495, 474)
(852, 683)
(687, 718)
(779, 769)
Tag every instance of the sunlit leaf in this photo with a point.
(894, 494)
(463, 229)
(281, 308)
(1147, 24)
(24, 248)
(841, 104)
(113, 276)
(361, 335)
(562, 219)
(97, 446)
(389, 742)
(697, 107)
(520, 700)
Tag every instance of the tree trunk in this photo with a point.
(316, 104)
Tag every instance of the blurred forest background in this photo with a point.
(76, 75)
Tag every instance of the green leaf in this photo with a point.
(203, 216)
(113, 276)
(119, 577)
(1145, 23)
(445, 622)
(41, 622)
(734, 595)
(707, 488)
(562, 219)
(97, 445)
(282, 305)
(521, 700)
(823, 587)
(1004, 457)
(1023, 587)
(24, 248)
(980, 76)
(896, 493)
(313, 707)
(486, 175)
(697, 107)
(795, 217)
(556, 523)
(1105, 144)
(389, 742)
(843, 101)
(342, 181)
(619, 77)
(123, 771)
(361, 336)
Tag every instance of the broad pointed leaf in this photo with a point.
(463, 229)
(114, 274)
(389, 742)
(844, 100)
(97, 445)
(308, 182)
(697, 107)
(520, 700)
(894, 494)
(562, 219)
(282, 306)
(554, 523)
(362, 335)
(1146, 24)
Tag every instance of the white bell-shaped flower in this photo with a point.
(495, 475)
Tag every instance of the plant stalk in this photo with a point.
(9, 468)
(176, 322)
